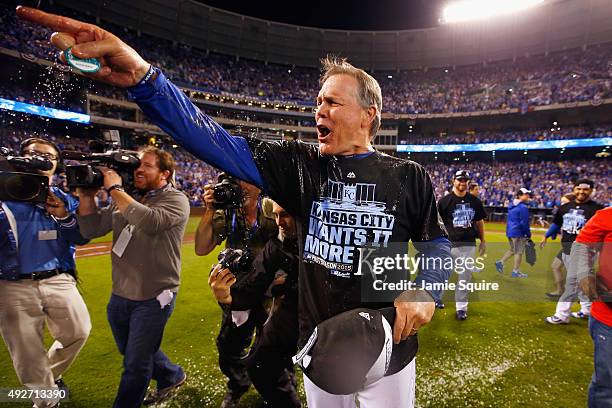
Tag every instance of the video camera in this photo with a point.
(19, 177)
(227, 193)
(104, 153)
(236, 260)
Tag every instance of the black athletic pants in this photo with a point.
(269, 365)
(232, 343)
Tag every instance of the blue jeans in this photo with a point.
(138, 327)
(600, 390)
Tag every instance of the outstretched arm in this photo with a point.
(121, 65)
(160, 100)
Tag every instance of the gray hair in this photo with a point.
(369, 90)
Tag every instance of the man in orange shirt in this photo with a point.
(596, 235)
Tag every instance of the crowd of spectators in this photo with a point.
(499, 181)
(555, 133)
(548, 180)
(569, 76)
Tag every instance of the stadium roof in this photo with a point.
(544, 29)
(343, 14)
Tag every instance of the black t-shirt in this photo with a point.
(571, 217)
(459, 215)
(341, 204)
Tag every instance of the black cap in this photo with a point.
(584, 183)
(462, 174)
(350, 351)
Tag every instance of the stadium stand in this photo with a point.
(570, 76)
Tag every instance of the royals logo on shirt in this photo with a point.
(573, 221)
(463, 216)
(346, 218)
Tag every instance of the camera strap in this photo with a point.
(250, 230)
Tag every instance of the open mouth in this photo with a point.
(323, 131)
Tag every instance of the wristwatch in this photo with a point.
(117, 187)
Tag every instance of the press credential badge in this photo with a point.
(123, 240)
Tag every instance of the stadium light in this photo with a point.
(469, 10)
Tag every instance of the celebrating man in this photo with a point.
(463, 215)
(570, 218)
(343, 194)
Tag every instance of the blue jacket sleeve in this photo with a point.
(439, 248)
(171, 110)
(525, 222)
(552, 232)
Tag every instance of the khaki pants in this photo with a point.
(25, 306)
(517, 245)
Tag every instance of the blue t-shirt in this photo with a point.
(44, 243)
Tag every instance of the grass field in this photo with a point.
(504, 355)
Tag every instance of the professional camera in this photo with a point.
(19, 177)
(227, 193)
(236, 260)
(106, 153)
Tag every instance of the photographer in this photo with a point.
(38, 282)
(276, 267)
(146, 261)
(247, 228)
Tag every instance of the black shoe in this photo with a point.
(61, 383)
(439, 305)
(461, 315)
(231, 400)
(162, 394)
(554, 296)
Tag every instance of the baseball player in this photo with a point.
(463, 215)
(570, 218)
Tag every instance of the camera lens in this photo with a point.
(20, 187)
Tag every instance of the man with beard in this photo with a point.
(146, 266)
(463, 215)
(570, 218)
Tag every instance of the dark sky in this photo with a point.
(341, 14)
